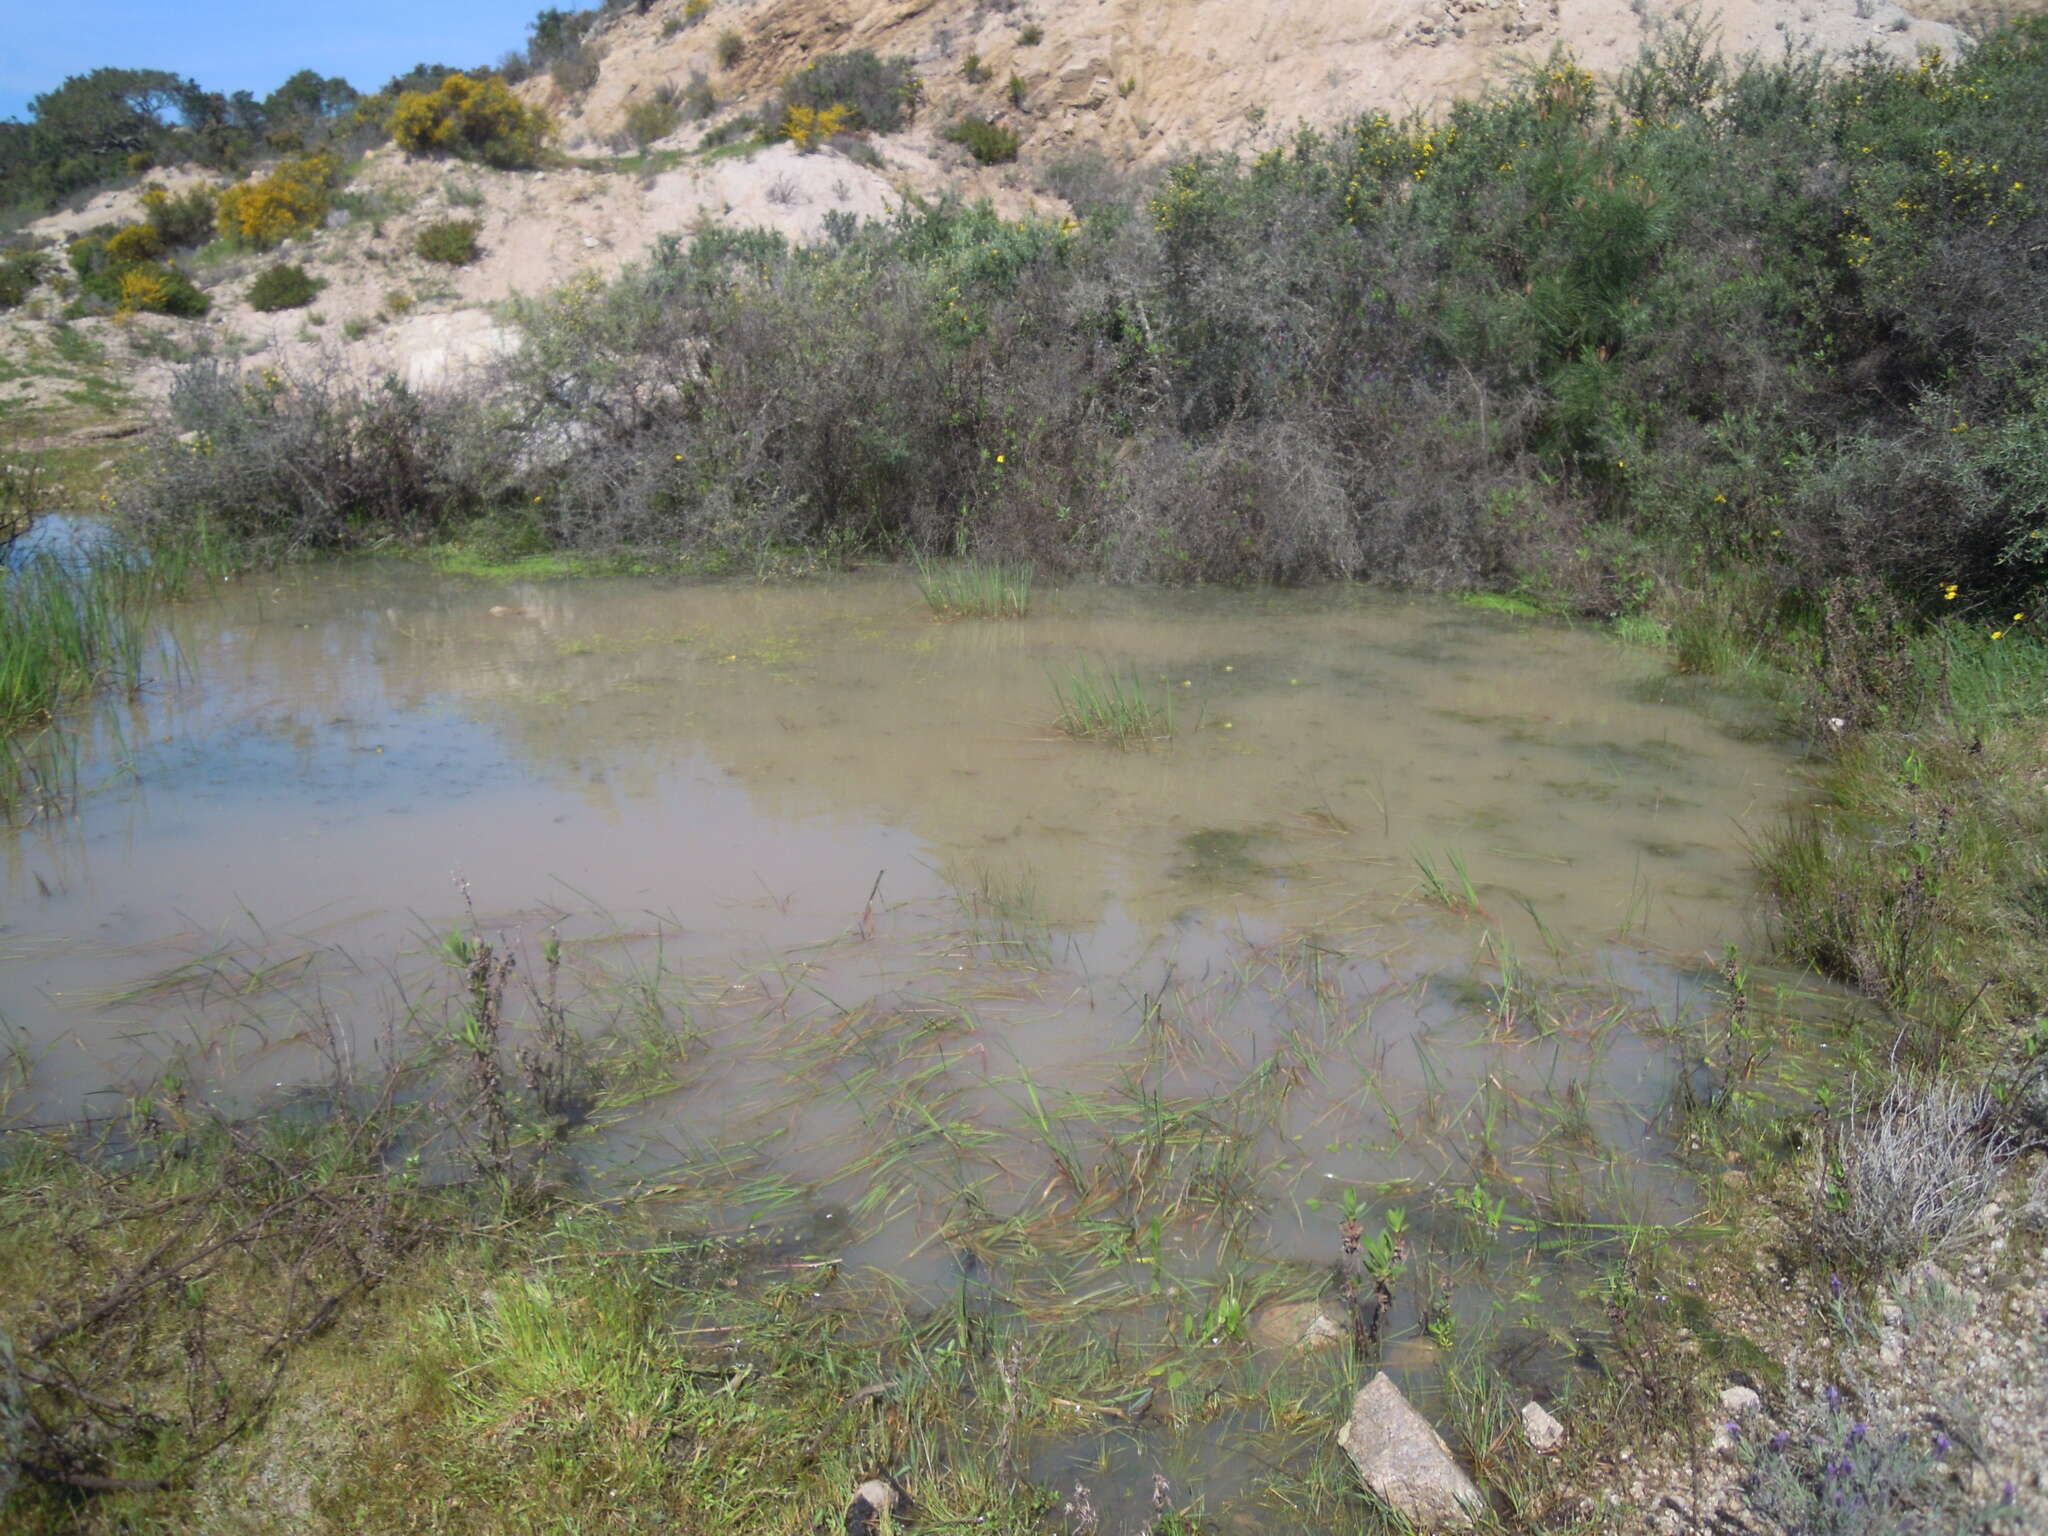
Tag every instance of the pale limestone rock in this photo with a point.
(1402, 1458)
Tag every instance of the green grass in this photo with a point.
(1097, 704)
(1507, 603)
(975, 589)
(65, 632)
(1454, 893)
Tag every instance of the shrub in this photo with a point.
(1030, 35)
(282, 286)
(655, 117)
(807, 127)
(1903, 1179)
(159, 290)
(451, 242)
(293, 197)
(314, 463)
(699, 100)
(1018, 90)
(695, 11)
(731, 48)
(876, 95)
(1834, 1473)
(576, 70)
(20, 271)
(990, 143)
(973, 70)
(472, 120)
(187, 219)
(134, 242)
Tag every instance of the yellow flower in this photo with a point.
(1998, 634)
(536, 498)
(999, 458)
(1719, 497)
(2017, 617)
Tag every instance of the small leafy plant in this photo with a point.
(451, 242)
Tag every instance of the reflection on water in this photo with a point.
(965, 996)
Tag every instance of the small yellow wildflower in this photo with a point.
(1719, 497)
(1998, 634)
(999, 458)
(1948, 593)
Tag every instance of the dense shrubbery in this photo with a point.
(187, 219)
(471, 119)
(323, 463)
(282, 286)
(264, 210)
(1764, 317)
(121, 273)
(872, 94)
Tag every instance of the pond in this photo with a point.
(1408, 919)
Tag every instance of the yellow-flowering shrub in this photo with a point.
(808, 127)
(142, 288)
(473, 120)
(137, 242)
(291, 198)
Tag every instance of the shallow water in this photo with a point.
(950, 993)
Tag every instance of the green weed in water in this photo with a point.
(1454, 894)
(975, 589)
(1097, 704)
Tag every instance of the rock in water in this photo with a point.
(1402, 1458)
(1540, 1427)
(1296, 1325)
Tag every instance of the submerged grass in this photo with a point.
(1098, 704)
(975, 589)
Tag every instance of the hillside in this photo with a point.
(1126, 84)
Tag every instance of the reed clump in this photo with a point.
(66, 629)
(975, 589)
(1097, 703)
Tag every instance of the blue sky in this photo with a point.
(231, 45)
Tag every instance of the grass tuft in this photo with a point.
(1097, 704)
(975, 589)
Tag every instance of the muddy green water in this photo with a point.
(929, 965)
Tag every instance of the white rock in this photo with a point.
(1738, 1402)
(1400, 1457)
(1539, 1427)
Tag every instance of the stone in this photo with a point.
(1737, 1404)
(1540, 1427)
(1738, 1401)
(1296, 1325)
(1402, 1459)
(872, 1501)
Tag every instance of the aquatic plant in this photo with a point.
(1454, 894)
(975, 589)
(1099, 704)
